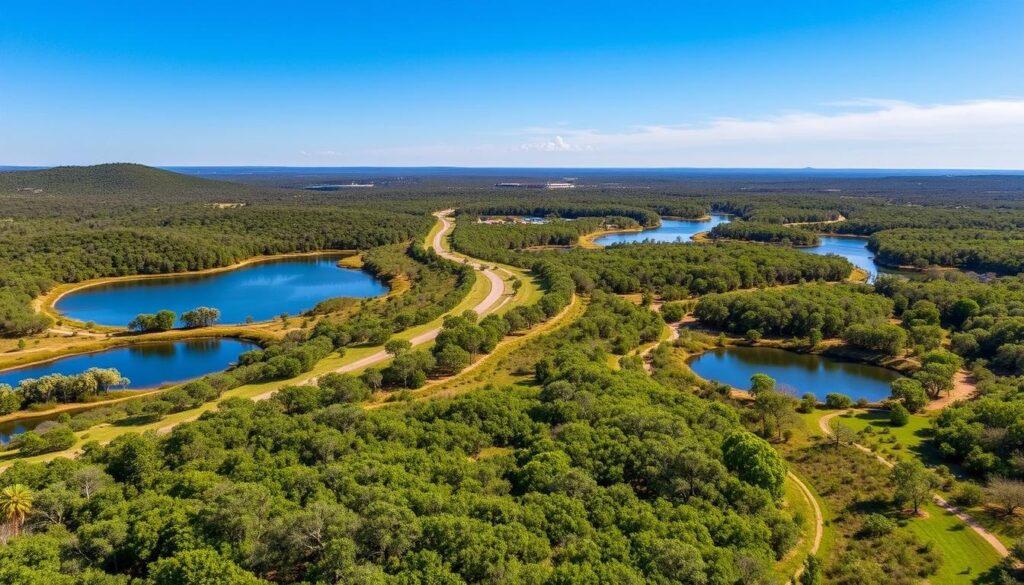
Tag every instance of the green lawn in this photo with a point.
(965, 556)
(906, 442)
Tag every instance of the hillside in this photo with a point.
(124, 181)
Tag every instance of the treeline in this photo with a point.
(674, 271)
(765, 232)
(815, 311)
(639, 215)
(681, 271)
(519, 236)
(1001, 252)
(779, 209)
(60, 388)
(864, 220)
(507, 481)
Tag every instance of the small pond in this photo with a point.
(262, 290)
(794, 373)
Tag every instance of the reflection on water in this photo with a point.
(670, 230)
(147, 365)
(794, 372)
(262, 291)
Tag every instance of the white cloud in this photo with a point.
(864, 133)
(556, 144)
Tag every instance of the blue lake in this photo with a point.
(146, 365)
(261, 291)
(794, 373)
(853, 249)
(671, 230)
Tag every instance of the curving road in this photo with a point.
(490, 302)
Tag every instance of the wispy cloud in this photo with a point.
(883, 133)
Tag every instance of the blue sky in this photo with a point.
(923, 84)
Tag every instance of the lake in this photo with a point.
(853, 249)
(147, 365)
(794, 373)
(670, 230)
(261, 290)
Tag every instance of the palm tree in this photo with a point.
(15, 505)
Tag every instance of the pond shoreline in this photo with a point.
(46, 303)
(117, 341)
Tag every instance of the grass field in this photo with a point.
(961, 547)
(966, 557)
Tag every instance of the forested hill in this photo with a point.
(117, 185)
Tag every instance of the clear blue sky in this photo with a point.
(728, 83)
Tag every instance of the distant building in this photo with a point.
(536, 185)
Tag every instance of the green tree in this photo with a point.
(452, 359)
(910, 392)
(841, 434)
(808, 402)
(397, 347)
(913, 483)
(754, 461)
(761, 383)
(199, 567)
(200, 317)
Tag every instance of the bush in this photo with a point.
(836, 400)
(808, 402)
(878, 525)
(968, 495)
(898, 415)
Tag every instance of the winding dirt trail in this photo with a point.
(819, 521)
(491, 302)
(823, 424)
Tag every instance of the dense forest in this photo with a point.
(673, 271)
(1001, 252)
(815, 311)
(599, 476)
(764, 232)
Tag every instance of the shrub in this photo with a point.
(968, 495)
(808, 402)
(837, 400)
(878, 525)
(898, 415)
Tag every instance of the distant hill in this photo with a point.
(118, 180)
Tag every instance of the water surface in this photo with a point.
(146, 365)
(670, 230)
(261, 291)
(795, 373)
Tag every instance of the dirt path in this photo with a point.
(963, 389)
(819, 521)
(823, 424)
(494, 299)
